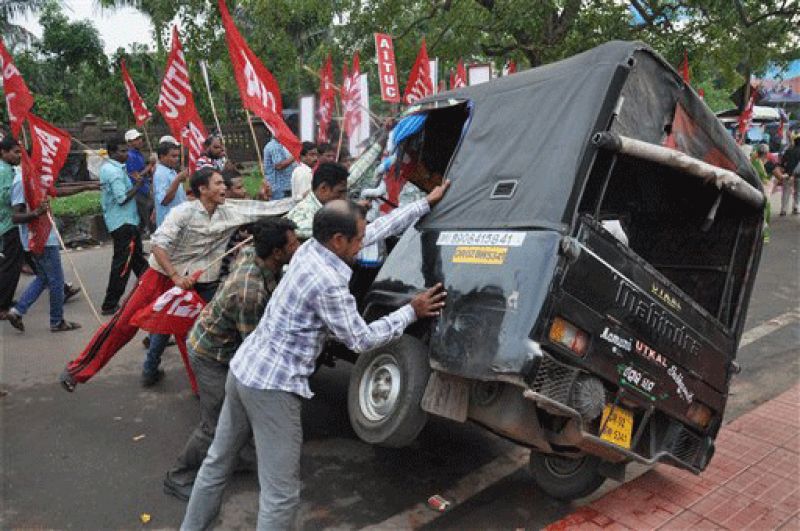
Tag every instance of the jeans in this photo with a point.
(158, 342)
(126, 258)
(50, 275)
(274, 418)
(10, 266)
(211, 376)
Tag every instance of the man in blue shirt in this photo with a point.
(168, 190)
(137, 167)
(278, 167)
(122, 222)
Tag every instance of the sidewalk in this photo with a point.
(753, 482)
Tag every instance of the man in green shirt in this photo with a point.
(329, 183)
(225, 322)
(10, 245)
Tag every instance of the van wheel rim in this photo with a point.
(379, 388)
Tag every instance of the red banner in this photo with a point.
(685, 68)
(746, 118)
(257, 86)
(140, 112)
(18, 97)
(49, 151)
(511, 67)
(327, 95)
(39, 228)
(387, 69)
(176, 102)
(419, 83)
(174, 312)
(459, 80)
(351, 97)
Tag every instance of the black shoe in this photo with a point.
(109, 311)
(146, 342)
(67, 381)
(15, 320)
(182, 492)
(149, 379)
(70, 291)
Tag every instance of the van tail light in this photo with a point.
(567, 334)
(699, 414)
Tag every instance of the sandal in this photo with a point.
(15, 320)
(65, 326)
(67, 381)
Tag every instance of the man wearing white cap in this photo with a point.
(168, 139)
(137, 167)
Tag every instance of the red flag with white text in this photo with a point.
(39, 228)
(387, 69)
(49, 150)
(420, 83)
(140, 112)
(351, 97)
(257, 86)
(174, 313)
(746, 117)
(327, 96)
(18, 98)
(176, 102)
(459, 80)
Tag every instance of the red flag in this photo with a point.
(257, 87)
(387, 69)
(18, 97)
(746, 117)
(685, 67)
(140, 112)
(326, 101)
(511, 67)
(460, 79)
(174, 312)
(39, 228)
(351, 97)
(419, 83)
(49, 149)
(176, 102)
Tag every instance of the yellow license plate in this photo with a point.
(617, 426)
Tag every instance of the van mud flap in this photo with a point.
(446, 396)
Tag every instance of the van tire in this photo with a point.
(565, 478)
(385, 391)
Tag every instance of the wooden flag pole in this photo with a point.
(147, 138)
(341, 131)
(376, 119)
(211, 100)
(255, 144)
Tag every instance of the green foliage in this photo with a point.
(82, 204)
(252, 181)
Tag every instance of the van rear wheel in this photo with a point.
(385, 391)
(566, 478)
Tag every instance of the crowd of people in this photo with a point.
(779, 170)
(255, 344)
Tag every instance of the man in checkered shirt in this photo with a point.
(269, 373)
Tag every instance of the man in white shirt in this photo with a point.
(302, 174)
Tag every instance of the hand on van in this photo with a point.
(435, 195)
(429, 303)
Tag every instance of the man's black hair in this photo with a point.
(329, 173)
(307, 146)
(229, 174)
(113, 144)
(270, 234)
(201, 178)
(207, 142)
(8, 142)
(331, 220)
(164, 148)
(325, 147)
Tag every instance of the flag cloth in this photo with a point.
(176, 103)
(387, 69)
(460, 79)
(39, 228)
(746, 117)
(49, 150)
(420, 83)
(140, 112)
(257, 86)
(327, 96)
(685, 67)
(18, 98)
(174, 312)
(351, 97)
(511, 67)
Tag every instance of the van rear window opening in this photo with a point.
(668, 218)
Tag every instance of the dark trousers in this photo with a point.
(127, 257)
(144, 206)
(10, 267)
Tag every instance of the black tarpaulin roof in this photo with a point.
(535, 128)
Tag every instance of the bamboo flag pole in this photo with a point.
(204, 71)
(374, 117)
(74, 267)
(147, 138)
(255, 144)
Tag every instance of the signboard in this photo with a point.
(307, 118)
(479, 73)
(387, 69)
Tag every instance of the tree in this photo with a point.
(14, 34)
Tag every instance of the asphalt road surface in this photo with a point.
(95, 459)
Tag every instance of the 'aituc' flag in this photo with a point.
(387, 69)
(327, 95)
(140, 112)
(50, 148)
(459, 80)
(351, 97)
(257, 86)
(420, 83)
(176, 103)
(18, 97)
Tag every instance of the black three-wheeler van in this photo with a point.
(598, 244)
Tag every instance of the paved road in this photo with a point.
(79, 461)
